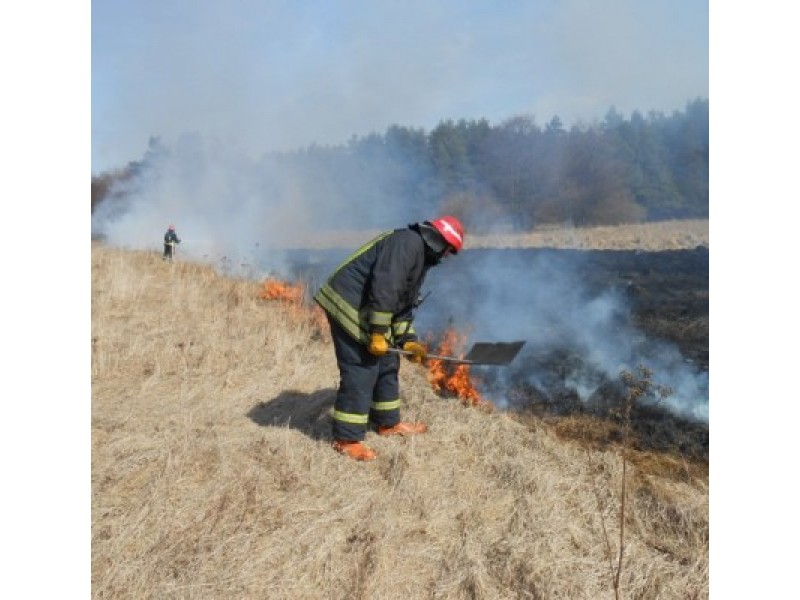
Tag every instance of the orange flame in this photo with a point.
(279, 290)
(446, 377)
(293, 295)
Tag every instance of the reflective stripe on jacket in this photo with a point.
(375, 288)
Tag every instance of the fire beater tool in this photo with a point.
(481, 353)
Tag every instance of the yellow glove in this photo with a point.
(419, 353)
(378, 344)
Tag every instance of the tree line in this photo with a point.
(517, 174)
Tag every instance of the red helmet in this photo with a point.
(171, 228)
(452, 231)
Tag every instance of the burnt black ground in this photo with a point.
(669, 299)
(666, 297)
(668, 291)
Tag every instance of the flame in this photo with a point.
(280, 290)
(446, 377)
(294, 294)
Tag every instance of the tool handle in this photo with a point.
(451, 359)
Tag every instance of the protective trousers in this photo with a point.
(369, 390)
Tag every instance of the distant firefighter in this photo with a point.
(170, 240)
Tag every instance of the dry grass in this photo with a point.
(664, 235)
(212, 476)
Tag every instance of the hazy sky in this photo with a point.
(262, 75)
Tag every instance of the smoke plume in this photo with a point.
(579, 337)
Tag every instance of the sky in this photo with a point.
(264, 75)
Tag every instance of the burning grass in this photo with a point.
(275, 289)
(212, 476)
(454, 379)
(295, 296)
(446, 379)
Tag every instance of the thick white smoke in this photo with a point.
(229, 209)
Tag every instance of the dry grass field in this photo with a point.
(212, 475)
(662, 235)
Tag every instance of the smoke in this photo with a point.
(243, 214)
(213, 195)
(578, 333)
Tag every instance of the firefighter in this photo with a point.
(170, 239)
(369, 301)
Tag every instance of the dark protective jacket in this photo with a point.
(171, 237)
(376, 288)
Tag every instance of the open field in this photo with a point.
(662, 235)
(212, 476)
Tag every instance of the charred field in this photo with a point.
(597, 325)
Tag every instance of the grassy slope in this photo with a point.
(212, 477)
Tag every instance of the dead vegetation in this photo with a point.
(659, 235)
(212, 476)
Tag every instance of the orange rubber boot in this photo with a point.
(355, 450)
(403, 428)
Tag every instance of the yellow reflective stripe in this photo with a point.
(335, 299)
(386, 405)
(402, 328)
(360, 251)
(349, 318)
(352, 418)
(380, 318)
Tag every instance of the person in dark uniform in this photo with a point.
(369, 301)
(170, 239)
